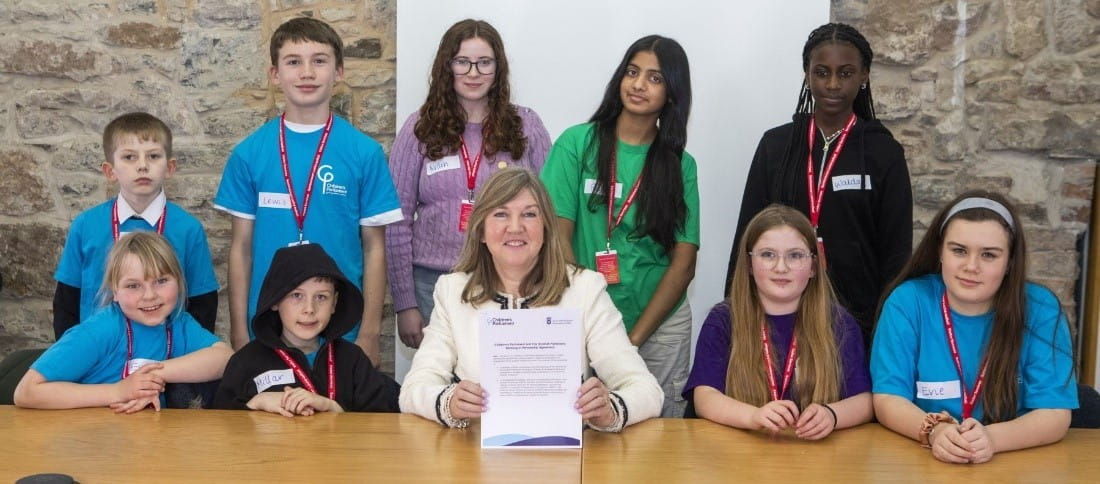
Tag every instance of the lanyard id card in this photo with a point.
(607, 263)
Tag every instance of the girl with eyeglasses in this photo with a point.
(970, 359)
(836, 163)
(466, 130)
(780, 354)
(627, 200)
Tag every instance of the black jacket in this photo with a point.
(867, 230)
(359, 387)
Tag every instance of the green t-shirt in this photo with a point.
(570, 175)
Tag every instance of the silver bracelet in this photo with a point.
(445, 409)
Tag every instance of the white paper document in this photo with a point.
(531, 369)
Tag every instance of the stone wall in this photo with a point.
(992, 94)
(999, 95)
(68, 67)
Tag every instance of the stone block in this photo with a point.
(1025, 29)
(77, 154)
(932, 192)
(143, 35)
(28, 255)
(22, 11)
(194, 158)
(76, 61)
(332, 15)
(280, 5)
(1070, 137)
(363, 49)
(377, 115)
(1074, 30)
(1053, 264)
(949, 142)
(237, 14)
(1064, 91)
(979, 69)
(895, 101)
(191, 191)
(80, 191)
(25, 325)
(26, 191)
(225, 61)
(1006, 129)
(1079, 213)
(999, 90)
(232, 124)
(137, 6)
(1049, 239)
(924, 73)
(363, 75)
(900, 36)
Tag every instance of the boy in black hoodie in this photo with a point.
(299, 364)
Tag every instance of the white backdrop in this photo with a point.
(745, 67)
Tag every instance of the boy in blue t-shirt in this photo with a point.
(138, 150)
(308, 176)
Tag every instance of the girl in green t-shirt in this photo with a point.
(646, 238)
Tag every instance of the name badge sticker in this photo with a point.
(135, 364)
(274, 200)
(590, 186)
(271, 378)
(846, 182)
(443, 164)
(939, 390)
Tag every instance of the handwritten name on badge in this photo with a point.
(938, 390)
(135, 364)
(271, 378)
(851, 182)
(443, 164)
(274, 200)
(590, 186)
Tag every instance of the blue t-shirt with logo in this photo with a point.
(84, 258)
(911, 358)
(352, 188)
(94, 351)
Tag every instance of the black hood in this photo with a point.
(290, 267)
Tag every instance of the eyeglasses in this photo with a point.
(461, 66)
(795, 259)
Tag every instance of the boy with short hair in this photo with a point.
(308, 176)
(299, 364)
(138, 153)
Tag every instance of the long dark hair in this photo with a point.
(863, 106)
(1009, 303)
(442, 120)
(661, 208)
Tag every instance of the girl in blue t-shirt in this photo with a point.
(124, 354)
(781, 353)
(969, 358)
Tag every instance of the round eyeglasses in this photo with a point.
(462, 66)
(795, 259)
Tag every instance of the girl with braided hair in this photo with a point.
(842, 168)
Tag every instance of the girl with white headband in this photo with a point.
(969, 358)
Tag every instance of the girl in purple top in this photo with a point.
(466, 130)
(781, 353)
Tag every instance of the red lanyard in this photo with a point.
(471, 169)
(304, 378)
(611, 200)
(130, 346)
(971, 399)
(788, 367)
(115, 222)
(300, 216)
(816, 191)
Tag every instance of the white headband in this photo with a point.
(969, 203)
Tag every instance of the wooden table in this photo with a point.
(692, 450)
(95, 445)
